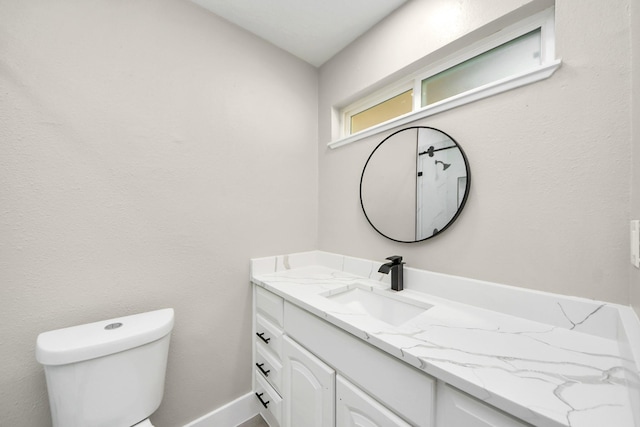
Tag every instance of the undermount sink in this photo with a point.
(383, 305)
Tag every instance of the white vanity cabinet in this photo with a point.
(297, 358)
(310, 373)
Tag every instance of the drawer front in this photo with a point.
(269, 335)
(355, 408)
(456, 408)
(270, 367)
(270, 401)
(270, 306)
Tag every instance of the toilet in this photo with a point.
(109, 373)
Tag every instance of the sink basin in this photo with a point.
(388, 307)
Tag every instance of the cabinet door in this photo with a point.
(354, 408)
(456, 408)
(308, 388)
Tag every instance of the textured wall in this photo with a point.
(550, 162)
(143, 163)
(148, 150)
(634, 117)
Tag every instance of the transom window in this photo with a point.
(514, 57)
(517, 55)
(386, 110)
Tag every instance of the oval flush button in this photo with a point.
(113, 326)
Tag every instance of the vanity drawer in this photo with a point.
(353, 403)
(269, 335)
(270, 306)
(270, 367)
(270, 400)
(456, 408)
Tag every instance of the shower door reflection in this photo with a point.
(441, 167)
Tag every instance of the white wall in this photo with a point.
(634, 118)
(143, 163)
(550, 162)
(148, 150)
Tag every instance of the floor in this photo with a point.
(256, 421)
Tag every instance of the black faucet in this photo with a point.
(395, 266)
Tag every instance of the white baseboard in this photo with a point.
(231, 414)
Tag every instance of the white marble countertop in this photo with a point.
(541, 373)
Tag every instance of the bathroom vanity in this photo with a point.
(334, 346)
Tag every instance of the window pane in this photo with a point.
(386, 110)
(517, 56)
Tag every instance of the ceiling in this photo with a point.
(313, 30)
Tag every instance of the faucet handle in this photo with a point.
(395, 259)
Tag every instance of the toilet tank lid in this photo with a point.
(84, 342)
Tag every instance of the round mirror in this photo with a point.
(414, 184)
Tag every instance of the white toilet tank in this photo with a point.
(109, 373)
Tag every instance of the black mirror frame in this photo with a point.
(464, 199)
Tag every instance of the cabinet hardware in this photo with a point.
(262, 401)
(261, 335)
(260, 365)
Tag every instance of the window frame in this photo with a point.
(544, 20)
(374, 99)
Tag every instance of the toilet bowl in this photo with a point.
(109, 373)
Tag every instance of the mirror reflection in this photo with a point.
(414, 184)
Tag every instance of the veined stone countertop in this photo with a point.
(547, 359)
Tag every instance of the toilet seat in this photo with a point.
(145, 423)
